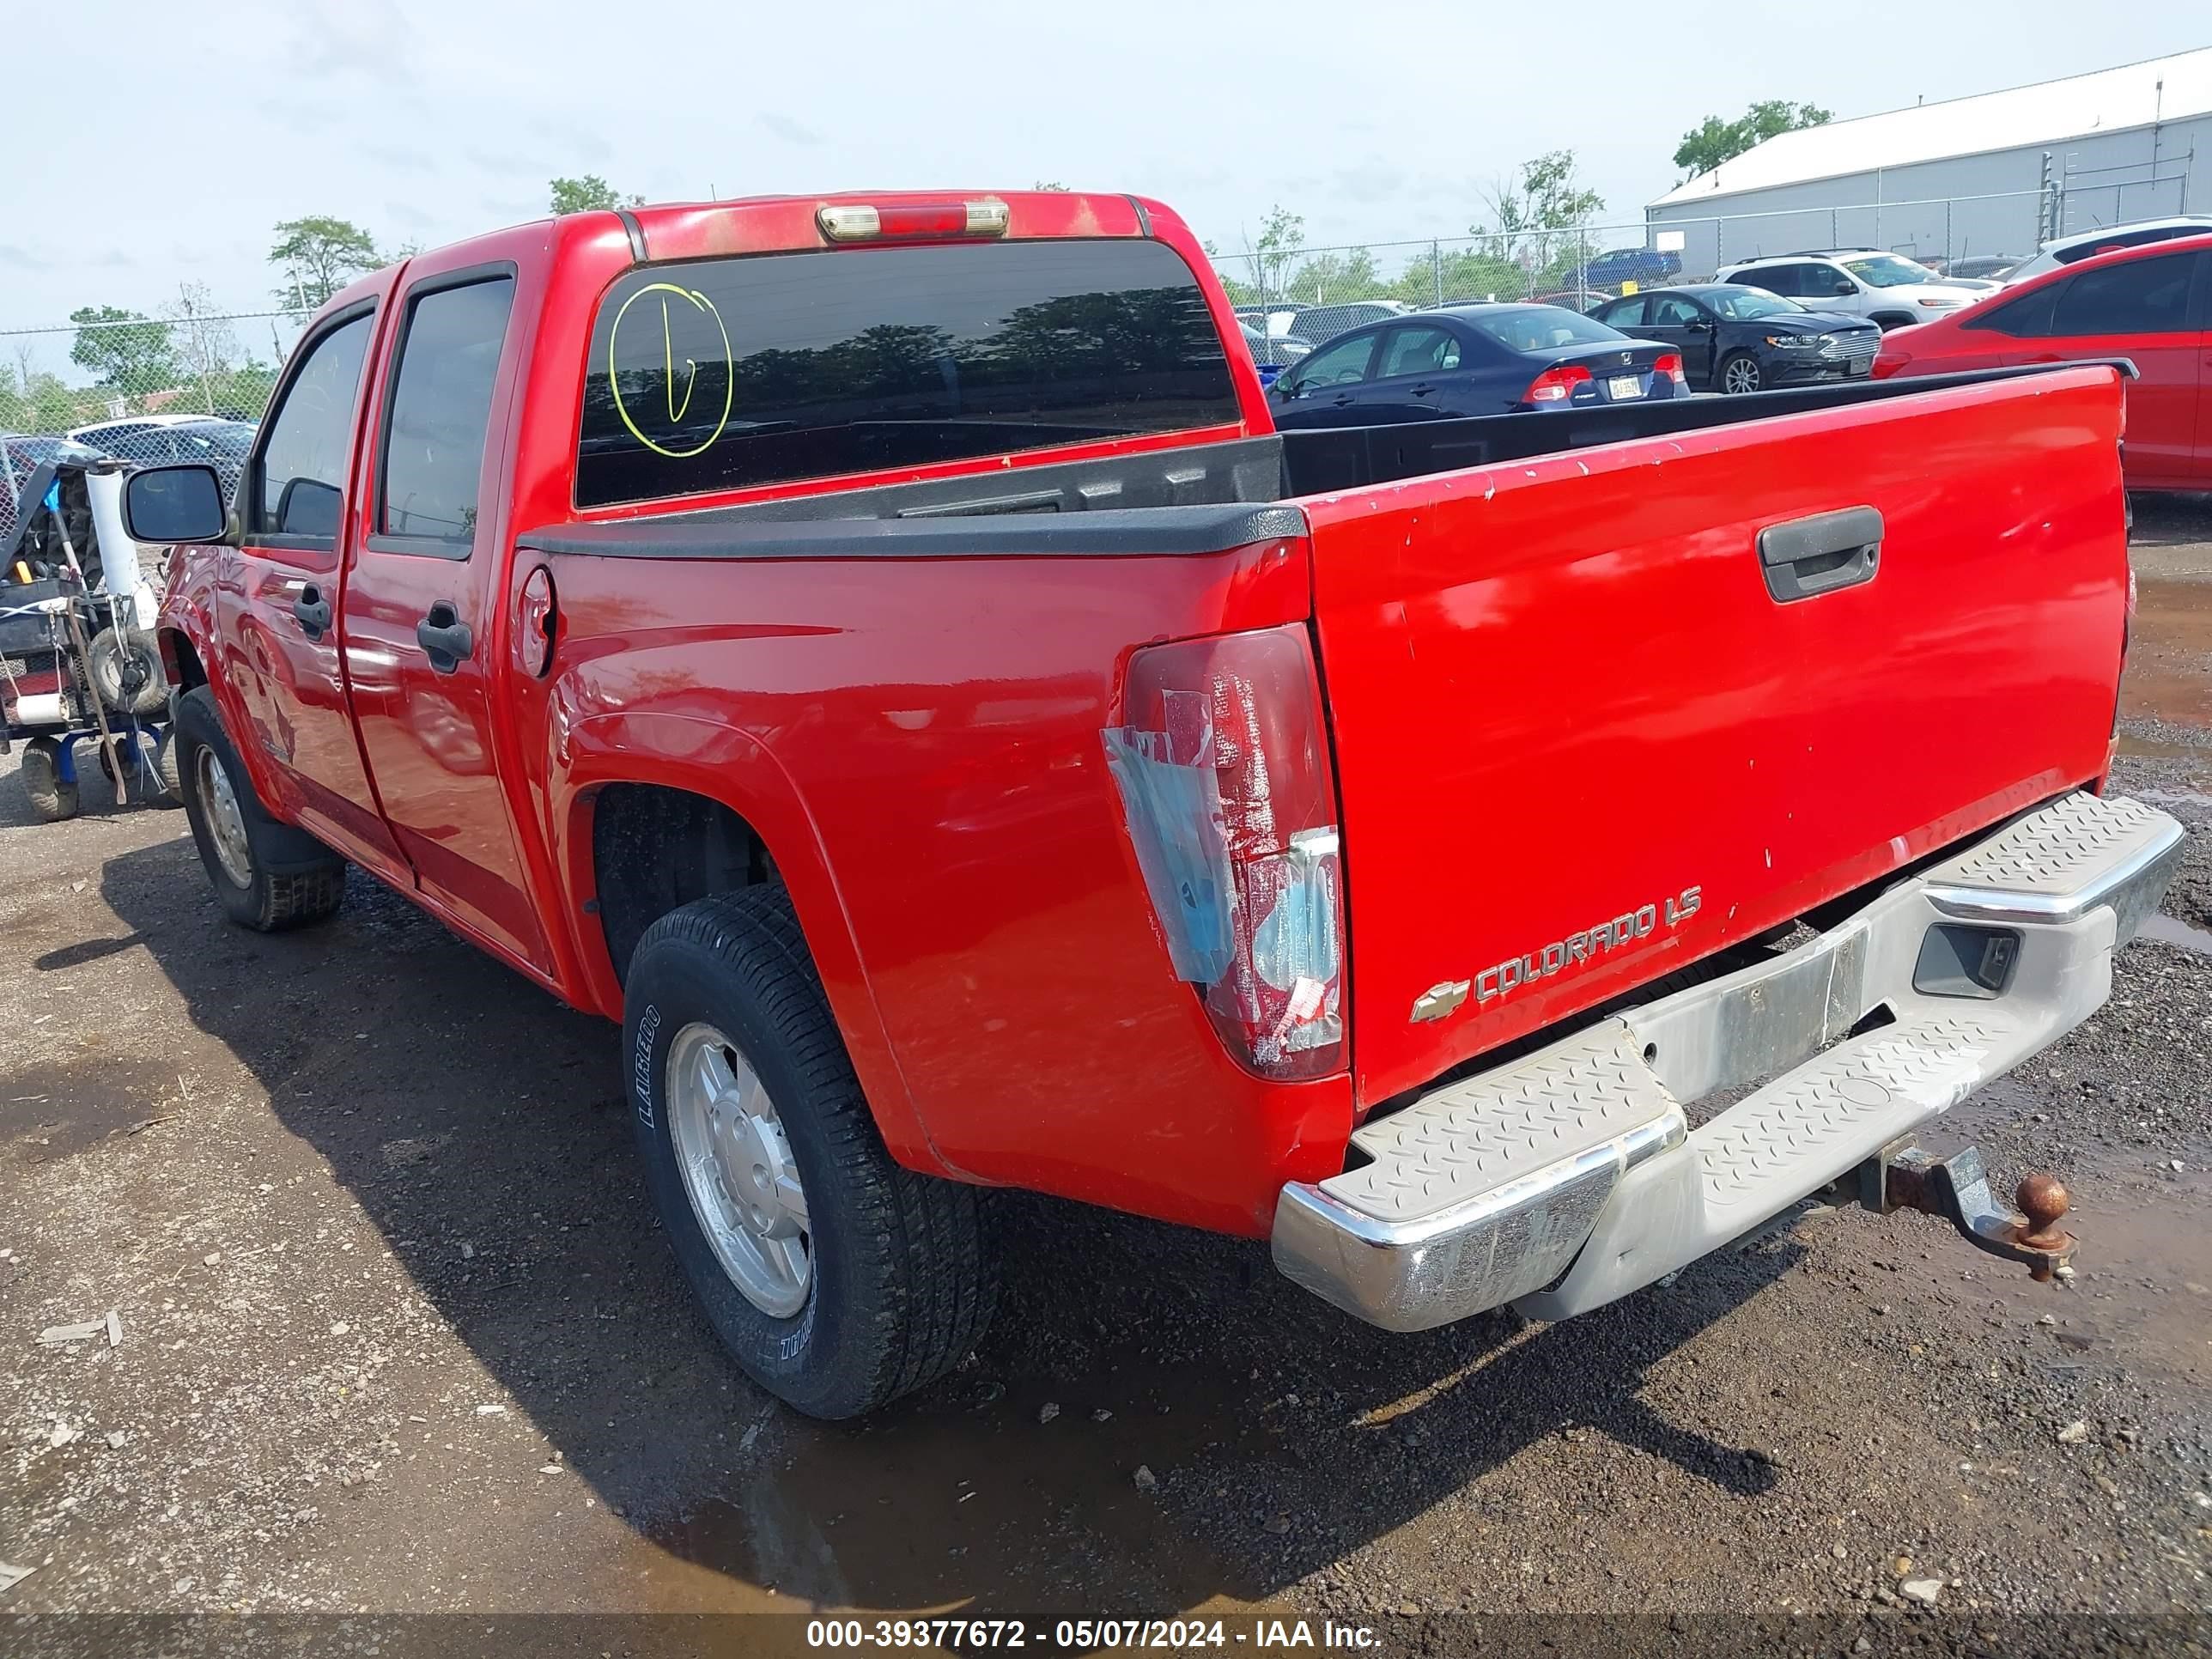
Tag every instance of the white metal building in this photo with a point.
(1991, 175)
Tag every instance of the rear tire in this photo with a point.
(1739, 372)
(269, 876)
(838, 1279)
(52, 799)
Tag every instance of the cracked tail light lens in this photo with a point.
(1225, 780)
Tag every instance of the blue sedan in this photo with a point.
(1472, 360)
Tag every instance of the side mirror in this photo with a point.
(167, 504)
(1846, 285)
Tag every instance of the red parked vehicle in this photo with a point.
(2151, 304)
(878, 649)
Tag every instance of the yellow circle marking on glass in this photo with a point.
(698, 301)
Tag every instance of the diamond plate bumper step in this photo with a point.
(1569, 1178)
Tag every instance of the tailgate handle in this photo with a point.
(1808, 557)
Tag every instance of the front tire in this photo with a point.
(838, 1279)
(268, 876)
(52, 799)
(1740, 373)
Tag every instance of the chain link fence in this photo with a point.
(190, 385)
(186, 387)
(1580, 266)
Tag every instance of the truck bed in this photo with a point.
(1563, 691)
(1118, 501)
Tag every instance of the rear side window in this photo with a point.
(1418, 351)
(1628, 314)
(1775, 279)
(433, 444)
(728, 373)
(2143, 297)
(303, 467)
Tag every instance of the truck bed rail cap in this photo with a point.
(1125, 532)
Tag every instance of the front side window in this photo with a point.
(1341, 362)
(303, 468)
(2143, 297)
(434, 445)
(763, 369)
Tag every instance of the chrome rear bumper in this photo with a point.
(1569, 1178)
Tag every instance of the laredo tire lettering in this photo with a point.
(648, 1025)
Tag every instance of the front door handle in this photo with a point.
(444, 637)
(1805, 558)
(311, 610)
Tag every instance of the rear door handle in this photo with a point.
(1343, 400)
(1805, 558)
(311, 610)
(444, 636)
(1423, 391)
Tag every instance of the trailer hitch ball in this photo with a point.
(1956, 1189)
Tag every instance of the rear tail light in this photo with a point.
(1888, 361)
(1224, 775)
(855, 222)
(1670, 365)
(1555, 385)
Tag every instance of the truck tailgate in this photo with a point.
(1590, 724)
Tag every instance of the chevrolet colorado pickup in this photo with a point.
(879, 651)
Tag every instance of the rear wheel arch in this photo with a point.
(719, 839)
(1886, 320)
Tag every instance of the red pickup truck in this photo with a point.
(879, 651)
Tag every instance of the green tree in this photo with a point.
(125, 351)
(1337, 275)
(590, 194)
(319, 255)
(1539, 217)
(1714, 141)
(1281, 233)
(37, 400)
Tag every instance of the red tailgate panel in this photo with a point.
(1561, 692)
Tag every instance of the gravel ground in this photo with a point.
(397, 1335)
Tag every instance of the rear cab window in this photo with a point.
(756, 370)
(439, 413)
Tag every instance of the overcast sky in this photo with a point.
(159, 142)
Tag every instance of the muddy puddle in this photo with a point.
(2141, 1297)
(2166, 931)
(2171, 645)
(50, 1111)
(1018, 1500)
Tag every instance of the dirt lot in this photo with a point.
(398, 1336)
